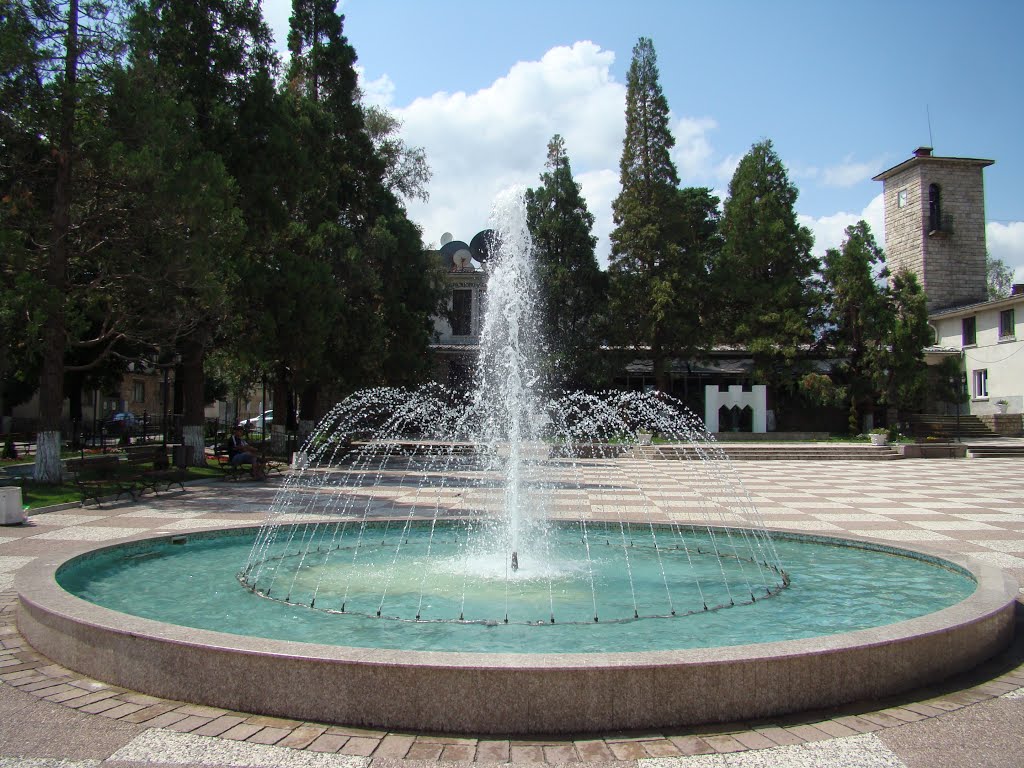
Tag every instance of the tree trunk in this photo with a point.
(282, 412)
(308, 412)
(75, 382)
(193, 431)
(660, 366)
(51, 376)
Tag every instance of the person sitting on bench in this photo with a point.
(240, 452)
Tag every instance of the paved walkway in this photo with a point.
(50, 716)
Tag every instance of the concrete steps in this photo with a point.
(778, 451)
(936, 425)
(995, 451)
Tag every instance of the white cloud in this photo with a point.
(848, 173)
(692, 152)
(829, 231)
(1006, 242)
(600, 188)
(379, 92)
(479, 143)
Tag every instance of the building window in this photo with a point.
(901, 198)
(934, 208)
(981, 383)
(969, 336)
(138, 391)
(462, 312)
(1006, 330)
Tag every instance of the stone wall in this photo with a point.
(950, 263)
(1007, 424)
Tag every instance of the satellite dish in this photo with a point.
(482, 244)
(462, 259)
(446, 238)
(448, 251)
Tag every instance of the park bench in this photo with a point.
(17, 444)
(98, 477)
(146, 466)
(233, 472)
(230, 472)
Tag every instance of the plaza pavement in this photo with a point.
(50, 716)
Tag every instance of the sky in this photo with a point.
(843, 90)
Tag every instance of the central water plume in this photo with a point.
(500, 505)
(505, 394)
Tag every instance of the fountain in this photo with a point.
(499, 561)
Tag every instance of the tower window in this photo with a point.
(901, 198)
(934, 208)
(969, 332)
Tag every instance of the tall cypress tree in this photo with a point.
(857, 313)
(205, 57)
(70, 44)
(572, 286)
(767, 270)
(665, 237)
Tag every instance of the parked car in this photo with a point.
(256, 422)
(122, 422)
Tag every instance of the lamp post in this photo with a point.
(167, 394)
(163, 423)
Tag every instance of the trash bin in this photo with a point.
(182, 455)
(11, 511)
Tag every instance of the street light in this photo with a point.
(957, 382)
(166, 394)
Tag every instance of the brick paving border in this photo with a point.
(23, 668)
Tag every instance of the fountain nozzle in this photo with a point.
(515, 561)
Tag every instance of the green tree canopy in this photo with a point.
(572, 286)
(665, 237)
(767, 272)
(857, 315)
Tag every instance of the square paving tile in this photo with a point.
(90, 533)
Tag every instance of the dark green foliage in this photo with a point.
(947, 381)
(572, 286)
(767, 272)
(665, 237)
(858, 315)
(904, 374)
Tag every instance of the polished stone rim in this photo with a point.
(515, 693)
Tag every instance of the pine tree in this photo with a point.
(59, 67)
(903, 373)
(767, 270)
(664, 238)
(857, 315)
(572, 286)
(204, 57)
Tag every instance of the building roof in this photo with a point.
(971, 309)
(923, 159)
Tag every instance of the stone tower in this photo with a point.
(935, 225)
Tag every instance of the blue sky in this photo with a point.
(844, 90)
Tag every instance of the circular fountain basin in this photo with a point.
(637, 674)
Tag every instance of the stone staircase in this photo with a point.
(935, 425)
(1008, 450)
(777, 451)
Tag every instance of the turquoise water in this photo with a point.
(832, 589)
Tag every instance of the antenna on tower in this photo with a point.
(931, 141)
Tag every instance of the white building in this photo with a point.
(990, 337)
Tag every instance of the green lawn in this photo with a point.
(35, 495)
